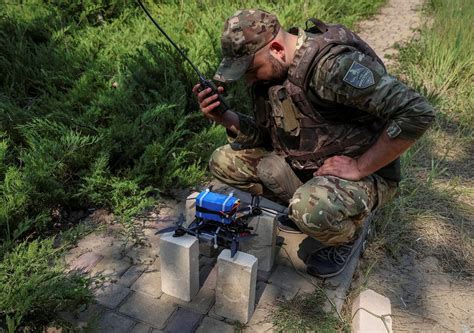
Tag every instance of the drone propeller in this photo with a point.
(165, 230)
(178, 225)
(181, 220)
(234, 247)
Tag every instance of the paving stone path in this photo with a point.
(129, 296)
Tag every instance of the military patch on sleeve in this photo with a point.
(359, 76)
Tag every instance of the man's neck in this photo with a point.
(290, 40)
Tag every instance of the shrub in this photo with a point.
(95, 78)
(34, 287)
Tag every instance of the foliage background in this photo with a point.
(69, 139)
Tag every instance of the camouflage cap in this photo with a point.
(245, 32)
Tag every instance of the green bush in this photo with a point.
(94, 80)
(34, 287)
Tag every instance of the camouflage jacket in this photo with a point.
(405, 113)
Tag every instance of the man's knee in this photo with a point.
(219, 161)
(315, 211)
(277, 176)
(237, 167)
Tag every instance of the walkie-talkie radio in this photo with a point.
(223, 106)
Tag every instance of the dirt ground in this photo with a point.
(396, 23)
(429, 282)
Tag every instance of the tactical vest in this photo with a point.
(304, 128)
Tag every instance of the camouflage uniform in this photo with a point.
(327, 208)
(352, 93)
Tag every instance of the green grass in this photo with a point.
(304, 313)
(433, 213)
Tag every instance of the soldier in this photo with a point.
(328, 128)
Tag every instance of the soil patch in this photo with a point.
(429, 280)
(395, 24)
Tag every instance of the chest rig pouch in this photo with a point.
(284, 113)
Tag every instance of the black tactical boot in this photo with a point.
(287, 225)
(330, 261)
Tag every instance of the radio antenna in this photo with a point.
(171, 41)
(223, 106)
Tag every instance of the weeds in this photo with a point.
(433, 213)
(304, 313)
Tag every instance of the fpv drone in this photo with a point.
(219, 220)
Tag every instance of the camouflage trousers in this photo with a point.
(327, 208)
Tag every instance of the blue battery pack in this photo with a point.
(216, 207)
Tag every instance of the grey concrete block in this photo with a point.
(213, 325)
(179, 266)
(112, 295)
(149, 283)
(205, 298)
(366, 307)
(183, 321)
(148, 309)
(262, 246)
(236, 285)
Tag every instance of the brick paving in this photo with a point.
(130, 297)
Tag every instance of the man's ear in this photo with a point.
(277, 50)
